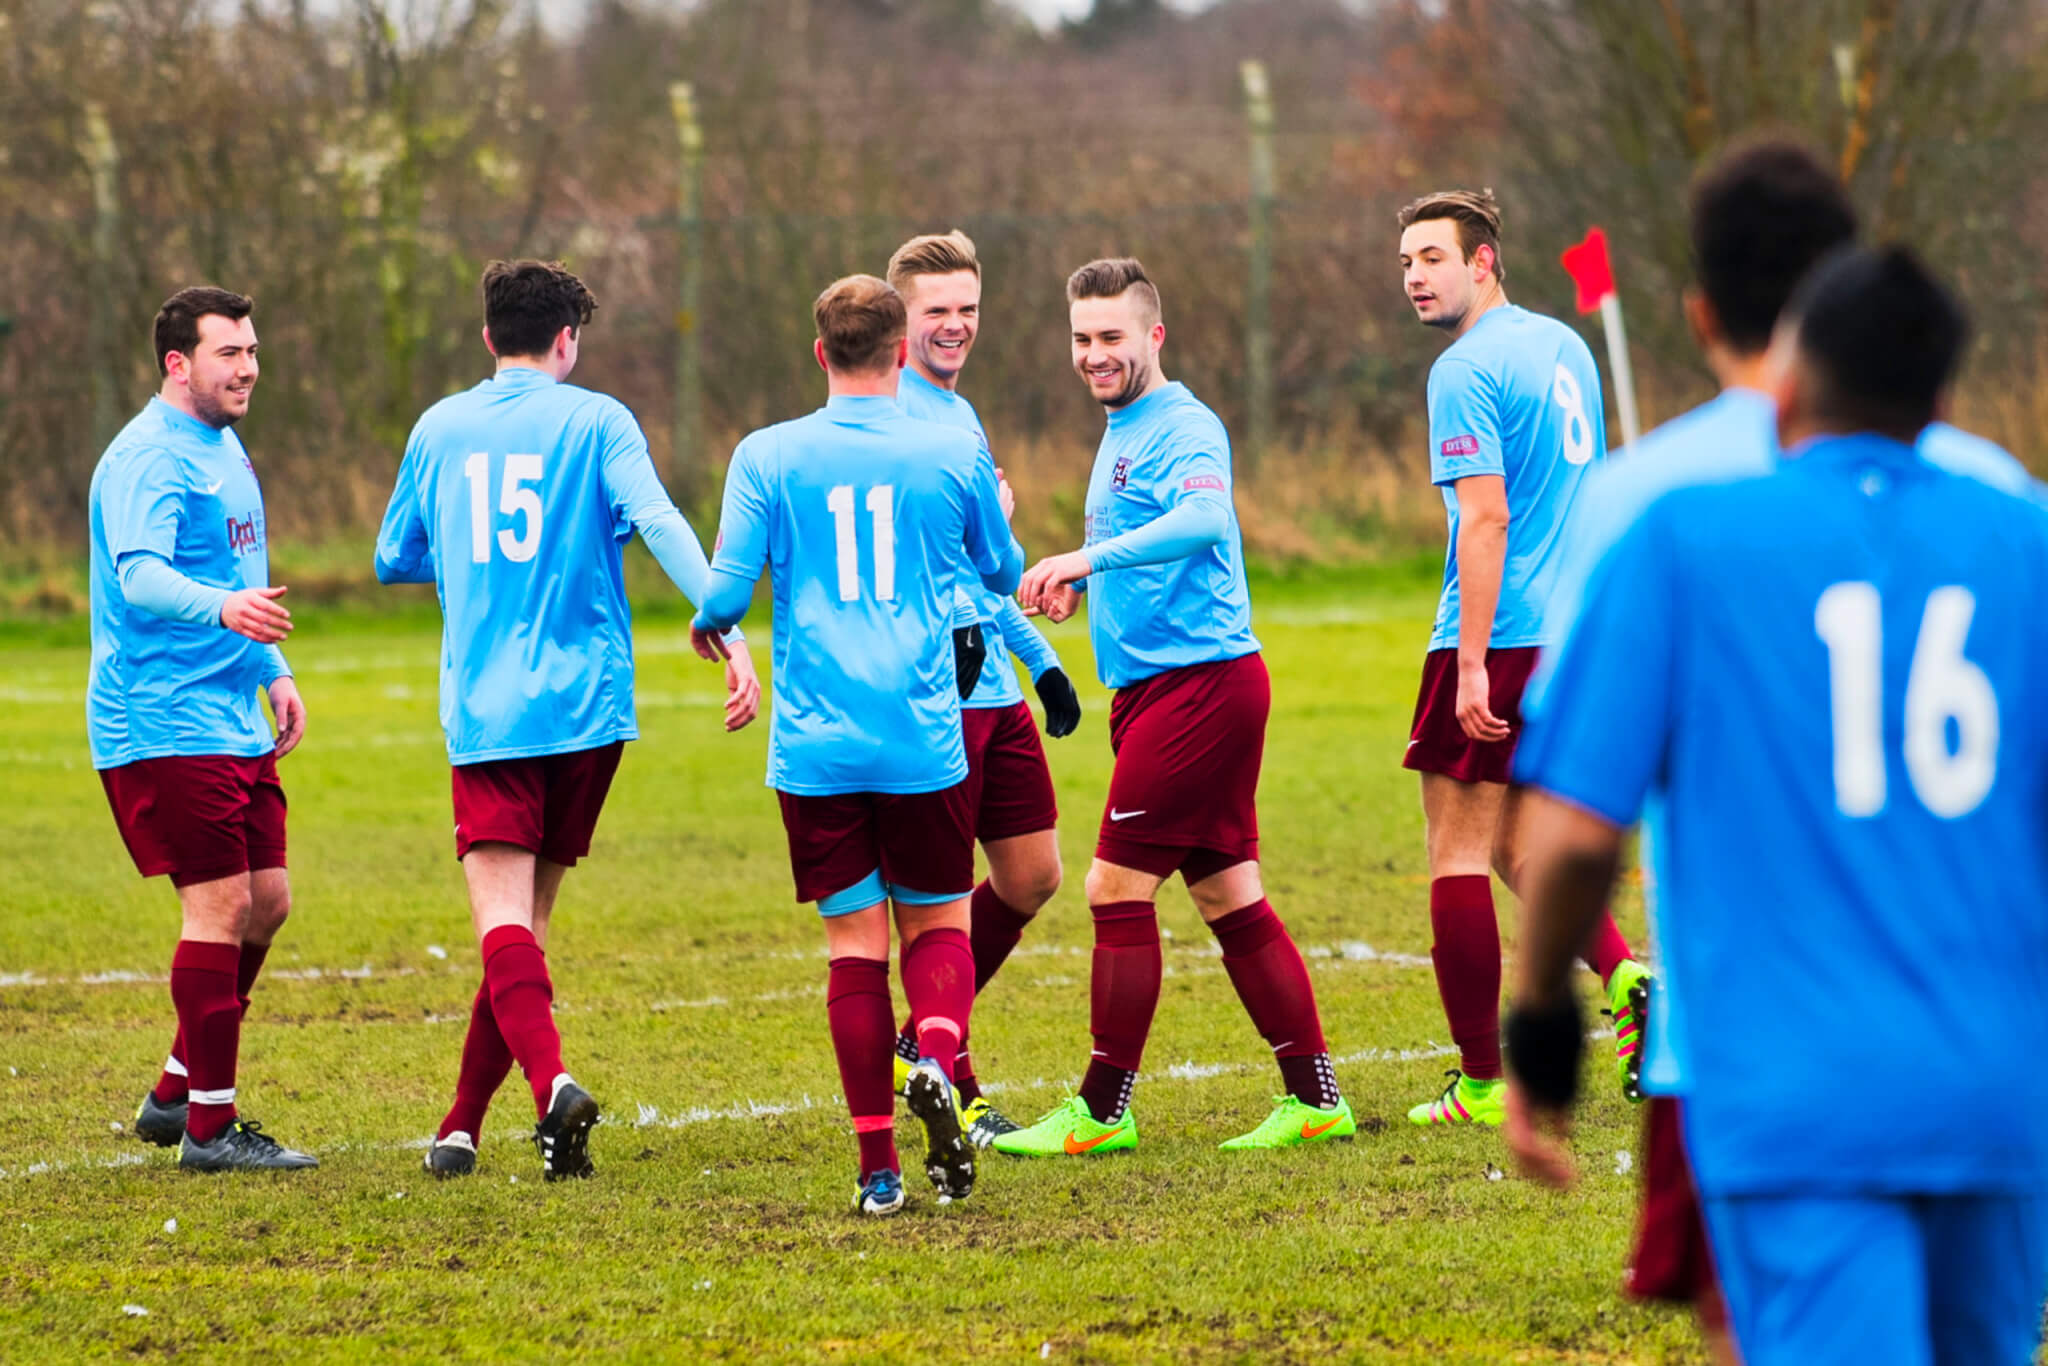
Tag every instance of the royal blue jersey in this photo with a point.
(516, 498)
(1004, 625)
(1517, 396)
(1183, 601)
(1733, 436)
(1832, 675)
(174, 489)
(865, 520)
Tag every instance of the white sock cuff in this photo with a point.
(172, 1067)
(225, 1096)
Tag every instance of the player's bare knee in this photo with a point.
(1026, 890)
(270, 905)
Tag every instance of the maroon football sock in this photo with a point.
(247, 968)
(1607, 949)
(1123, 995)
(172, 1085)
(485, 1062)
(1272, 981)
(938, 982)
(993, 930)
(1467, 957)
(994, 927)
(966, 1086)
(857, 1007)
(210, 1023)
(522, 1003)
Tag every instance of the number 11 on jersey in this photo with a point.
(881, 501)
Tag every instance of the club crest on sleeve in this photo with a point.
(1202, 481)
(1461, 445)
(1121, 474)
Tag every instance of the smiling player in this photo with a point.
(185, 632)
(1008, 783)
(1170, 618)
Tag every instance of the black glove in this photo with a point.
(1544, 1048)
(969, 650)
(1062, 704)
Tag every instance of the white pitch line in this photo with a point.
(647, 1116)
(1349, 951)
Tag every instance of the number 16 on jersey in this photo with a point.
(881, 506)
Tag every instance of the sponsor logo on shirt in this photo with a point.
(245, 533)
(1461, 445)
(1121, 474)
(1202, 481)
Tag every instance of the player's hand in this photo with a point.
(1049, 574)
(290, 713)
(1475, 712)
(708, 644)
(1060, 603)
(970, 651)
(1006, 497)
(1537, 1137)
(742, 686)
(256, 613)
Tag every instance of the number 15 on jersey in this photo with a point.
(516, 502)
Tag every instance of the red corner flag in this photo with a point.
(1590, 270)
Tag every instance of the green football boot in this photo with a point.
(1628, 1003)
(1295, 1122)
(984, 1123)
(1464, 1101)
(1071, 1130)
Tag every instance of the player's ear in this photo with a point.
(902, 352)
(1782, 377)
(818, 350)
(1483, 261)
(487, 340)
(1701, 319)
(1158, 337)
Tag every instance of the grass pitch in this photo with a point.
(690, 993)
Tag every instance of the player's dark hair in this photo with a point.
(1762, 214)
(528, 303)
(1476, 213)
(177, 322)
(860, 319)
(1110, 278)
(1879, 338)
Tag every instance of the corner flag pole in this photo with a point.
(1592, 272)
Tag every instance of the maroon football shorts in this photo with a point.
(1671, 1260)
(199, 817)
(1009, 787)
(1438, 744)
(920, 842)
(1188, 744)
(547, 805)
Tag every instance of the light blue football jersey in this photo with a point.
(173, 487)
(1832, 675)
(1732, 436)
(516, 498)
(865, 520)
(1517, 396)
(1157, 454)
(1004, 625)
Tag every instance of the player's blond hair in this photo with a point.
(1110, 278)
(1476, 214)
(932, 253)
(859, 319)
